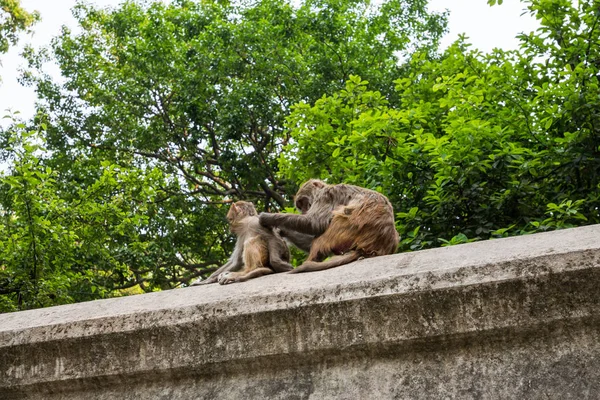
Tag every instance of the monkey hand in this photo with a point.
(201, 281)
(267, 219)
(226, 277)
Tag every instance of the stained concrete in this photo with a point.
(508, 318)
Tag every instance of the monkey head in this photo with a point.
(306, 194)
(239, 210)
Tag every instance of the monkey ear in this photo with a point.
(318, 184)
(233, 211)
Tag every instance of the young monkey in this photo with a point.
(258, 250)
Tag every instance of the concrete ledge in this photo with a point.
(509, 318)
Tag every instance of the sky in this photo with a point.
(487, 28)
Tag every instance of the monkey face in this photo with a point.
(303, 204)
(306, 194)
(239, 210)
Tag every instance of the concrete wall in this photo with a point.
(511, 318)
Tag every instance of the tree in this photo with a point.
(202, 89)
(13, 19)
(166, 113)
(472, 146)
(60, 242)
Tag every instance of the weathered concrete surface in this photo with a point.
(510, 318)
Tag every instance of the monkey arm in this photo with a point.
(235, 263)
(214, 276)
(304, 223)
(302, 241)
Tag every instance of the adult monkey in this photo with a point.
(345, 220)
(258, 250)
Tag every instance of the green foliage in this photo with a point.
(13, 19)
(61, 242)
(163, 115)
(166, 113)
(202, 89)
(474, 146)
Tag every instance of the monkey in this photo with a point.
(346, 221)
(258, 250)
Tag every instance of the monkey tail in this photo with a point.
(334, 261)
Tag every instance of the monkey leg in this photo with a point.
(319, 250)
(337, 239)
(335, 261)
(279, 265)
(242, 276)
(279, 255)
(207, 281)
(214, 277)
(256, 253)
(256, 256)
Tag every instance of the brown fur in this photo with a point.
(347, 221)
(258, 250)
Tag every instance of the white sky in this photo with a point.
(487, 27)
